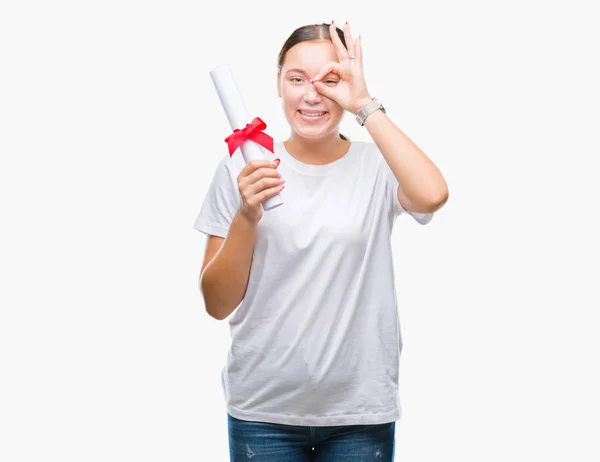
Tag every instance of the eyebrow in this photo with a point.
(295, 70)
(302, 72)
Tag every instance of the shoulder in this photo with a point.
(368, 152)
(224, 177)
(365, 147)
(230, 166)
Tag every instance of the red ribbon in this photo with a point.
(251, 131)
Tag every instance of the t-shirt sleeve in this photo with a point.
(392, 192)
(221, 201)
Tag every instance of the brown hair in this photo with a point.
(307, 33)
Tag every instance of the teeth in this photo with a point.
(312, 115)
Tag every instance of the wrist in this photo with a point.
(367, 110)
(360, 103)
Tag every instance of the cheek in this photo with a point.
(291, 93)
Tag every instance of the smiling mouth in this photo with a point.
(316, 115)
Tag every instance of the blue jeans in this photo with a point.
(269, 442)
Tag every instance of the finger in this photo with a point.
(339, 46)
(358, 49)
(324, 90)
(263, 172)
(264, 184)
(349, 41)
(254, 165)
(332, 66)
(270, 192)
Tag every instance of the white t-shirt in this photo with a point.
(316, 340)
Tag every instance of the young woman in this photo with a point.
(312, 372)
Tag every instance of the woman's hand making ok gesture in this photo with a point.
(351, 91)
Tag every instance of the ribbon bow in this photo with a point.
(251, 131)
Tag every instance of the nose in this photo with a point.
(311, 95)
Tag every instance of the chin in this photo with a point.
(305, 132)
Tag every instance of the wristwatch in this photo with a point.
(367, 110)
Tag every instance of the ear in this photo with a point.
(278, 87)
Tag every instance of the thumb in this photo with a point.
(322, 88)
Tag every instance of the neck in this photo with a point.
(318, 151)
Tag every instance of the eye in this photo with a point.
(295, 79)
(331, 81)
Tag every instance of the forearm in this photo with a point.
(225, 279)
(420, 179)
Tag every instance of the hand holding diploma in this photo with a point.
(258, 181)
(247, 135)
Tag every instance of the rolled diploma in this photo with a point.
(238, 118)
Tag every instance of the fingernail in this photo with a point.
(276, 162)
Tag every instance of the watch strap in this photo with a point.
(367, 110)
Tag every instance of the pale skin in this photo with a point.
(321, 76)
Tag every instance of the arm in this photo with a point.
(224, 279)
(422, 187)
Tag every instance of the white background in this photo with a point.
(110, 131)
